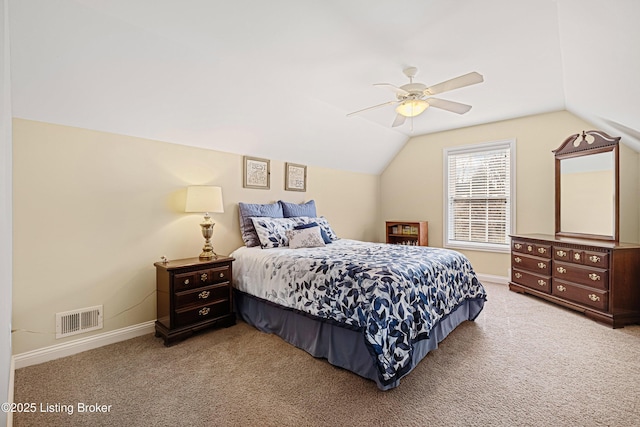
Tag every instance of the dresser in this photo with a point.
(192, 294)
(598, 278)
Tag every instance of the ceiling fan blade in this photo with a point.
(394, 89)
(374, 107)
(399, 121)
(443, 104)
(455, 83)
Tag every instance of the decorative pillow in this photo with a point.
(305, 238)
(272, 231)
(303, 209)
(325, 236)
(324, 224)
(248, 210)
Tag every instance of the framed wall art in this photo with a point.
(256, 173)
(295, 177)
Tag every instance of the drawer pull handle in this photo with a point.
(530, 248)
(204, 295)
(542, 265)
(561, 288)
(542, 250)
(221, 275)
(576, 256)
(561, 270)
(518, 275)
(517, 246)
(204, 311)
(203, 277)
(186, 281)
(594, 297)
(542, 282)
(594, 277)
(518, 259)
(561, 254)
(594, 258)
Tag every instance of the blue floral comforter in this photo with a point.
(394, 294)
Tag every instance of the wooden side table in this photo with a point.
(193, 294)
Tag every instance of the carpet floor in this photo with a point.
(523, 362)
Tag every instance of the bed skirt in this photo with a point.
(342, 346)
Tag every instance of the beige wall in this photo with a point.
(93, 211)
(412, 184)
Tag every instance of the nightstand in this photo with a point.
(193, 294)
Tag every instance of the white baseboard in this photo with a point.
(69, 348)
(501, 280)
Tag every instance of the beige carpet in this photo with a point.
(522, 362)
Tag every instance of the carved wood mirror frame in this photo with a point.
(585, 144)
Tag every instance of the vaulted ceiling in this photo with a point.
(276, 78)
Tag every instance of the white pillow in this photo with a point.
(305, 238)
(271, 231)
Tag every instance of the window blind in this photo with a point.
(479, 195)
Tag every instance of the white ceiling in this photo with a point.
(275, 79)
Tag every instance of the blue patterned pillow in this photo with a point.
(272, 231)
(248, 210)
(303, 209)
(324, 225)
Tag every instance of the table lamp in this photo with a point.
(205, 199)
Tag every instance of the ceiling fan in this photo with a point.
(414, 98)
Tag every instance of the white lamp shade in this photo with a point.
(204, 198)
(412, 107)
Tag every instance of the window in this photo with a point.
(479, 200)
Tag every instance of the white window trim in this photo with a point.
(486, 247)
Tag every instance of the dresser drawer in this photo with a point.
(202, 295)
(562, 254)
(519, 246)
(530, 263)
(211, 311)
(596, 259)
(592, 277)
(538, 249)
(532, 280)
(595, 298)
(578, 256)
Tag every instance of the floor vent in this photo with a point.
(78, 321)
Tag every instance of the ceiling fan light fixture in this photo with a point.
(412, 107)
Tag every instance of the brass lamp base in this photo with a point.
(207, 231)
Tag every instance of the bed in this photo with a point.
(374, 309)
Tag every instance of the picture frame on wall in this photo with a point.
(295, 177)
(256, 173)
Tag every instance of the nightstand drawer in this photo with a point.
(194, 279)
(202, 295)
(189, 316)
(221, 274)
(191, 279)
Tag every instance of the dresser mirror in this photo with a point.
(587, 186)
